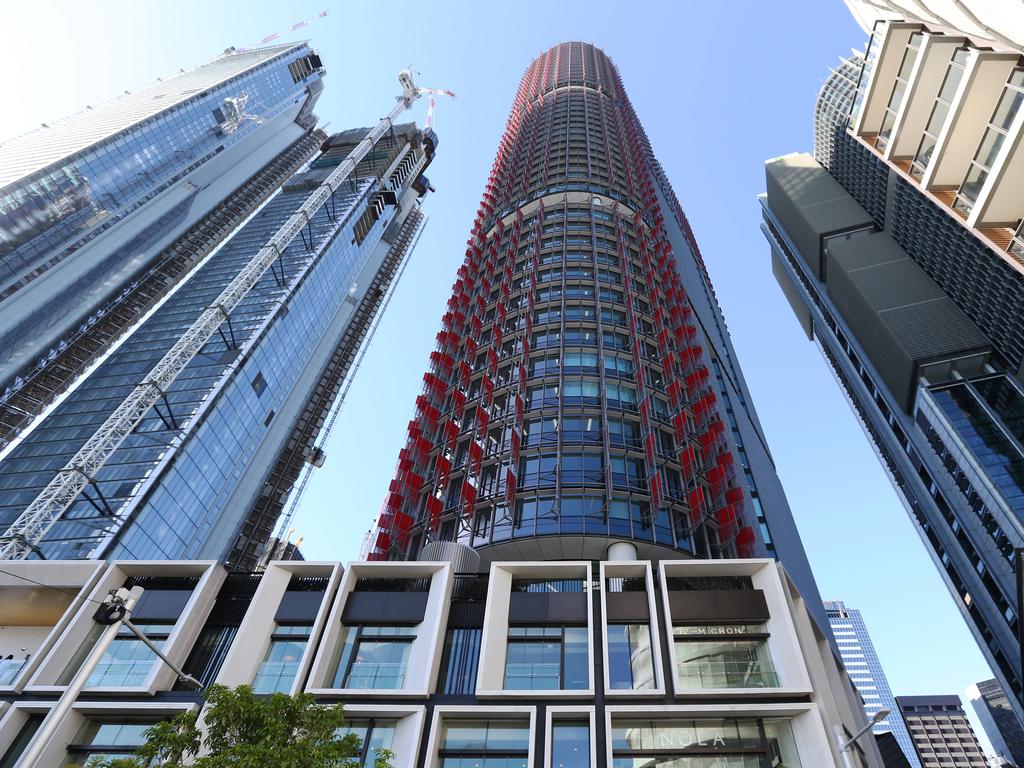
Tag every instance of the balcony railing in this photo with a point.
(709, 673)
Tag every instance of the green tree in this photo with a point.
(242, 730)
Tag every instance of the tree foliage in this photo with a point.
(242, 730)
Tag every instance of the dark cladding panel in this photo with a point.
(810, 205)
(627, 606)
(547, 608)
(392, 608)
(298, 606)
(724, 605)
(161, 605)
(901, 318)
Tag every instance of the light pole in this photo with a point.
(845, 744)
(112, 615)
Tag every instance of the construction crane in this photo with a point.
(23, 536)
(276, 35)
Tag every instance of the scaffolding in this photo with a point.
(22, 538)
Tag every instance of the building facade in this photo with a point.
(207, 471)
(103, 212)
(584, 389)
(998, 719)
(574, 663)
(902, 259)
(865, 670)
(941, 732)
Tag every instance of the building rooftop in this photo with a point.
(31, 152)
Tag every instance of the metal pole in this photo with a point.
(844, 745)
(122, 599)
(182, 675)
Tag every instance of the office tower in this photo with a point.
(584, 390)
(997, 717)
(207, 470)
(103, 212)
(865, 671)
(891, 752)
(902, 259)
(575, 664)
(940, 731)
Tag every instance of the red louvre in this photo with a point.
(433, 512)
(468, 500)
(510, 486)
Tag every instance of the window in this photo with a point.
(703, 743)
(623, 433)
(460, 660)
(128, 661)
(485, 744)
(580, 362)
(374, 735)
(737, 657)
(570, 744)
(10, 668)
(374, 657)
(21, 741)
(630, 664)
(280, 665)
(582, 468)
(546, 658)
(99, 741)
(259, 384)
(581, 392)
(585, 429)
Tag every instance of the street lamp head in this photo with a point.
(880, 715)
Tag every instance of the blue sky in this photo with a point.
(719, 86)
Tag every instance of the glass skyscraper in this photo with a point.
(101, 212)
(207, 471)
(865, 670)
(584, 390)
(899, 248)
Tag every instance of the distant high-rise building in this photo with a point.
(941, 732)
(207, 471)
(103, 211)
(865, 671)
(997, 717)
(832, 109)
(901, 250)
(584, 390)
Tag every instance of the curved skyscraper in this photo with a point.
(584, 390)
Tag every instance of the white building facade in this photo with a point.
(577, 664)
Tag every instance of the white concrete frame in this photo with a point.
(1001, 200)
(455, 712)
(55, 753)
(245, 658)
(633, 568)
(490, 681)
(883, 76)
(926, 78)
(969, 112)
(425, 654)
(179, 642)
(75, 577)
(813, 741)
(783, 644)
(406, 745)
(570, 713)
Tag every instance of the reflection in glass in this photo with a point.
(630, 666)
(570, 744)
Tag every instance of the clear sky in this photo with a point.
(719, 86)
